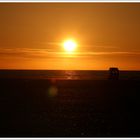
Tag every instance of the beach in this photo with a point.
(69, 108)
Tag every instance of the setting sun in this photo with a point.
(69, 45)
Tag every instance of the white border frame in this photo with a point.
(73, 1)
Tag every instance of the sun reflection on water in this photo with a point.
(70, 74)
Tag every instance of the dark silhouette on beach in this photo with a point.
(113, 73)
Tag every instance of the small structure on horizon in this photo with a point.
(113, 73)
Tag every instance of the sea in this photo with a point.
(68, 74)
(86, 104)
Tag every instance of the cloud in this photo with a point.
(49, 53)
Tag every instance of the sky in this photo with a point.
(107, 35)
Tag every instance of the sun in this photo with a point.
(70, 45)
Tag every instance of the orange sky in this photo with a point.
(107, 35)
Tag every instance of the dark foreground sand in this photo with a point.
(69, 108)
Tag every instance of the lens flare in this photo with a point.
(52, 91)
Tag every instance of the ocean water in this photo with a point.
(68, 74)
(69, 108)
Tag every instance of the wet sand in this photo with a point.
(69, 108)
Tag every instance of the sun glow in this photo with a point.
(69, 45)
